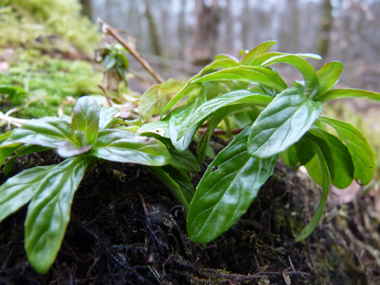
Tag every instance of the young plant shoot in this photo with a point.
(82, 140)
(275, 120)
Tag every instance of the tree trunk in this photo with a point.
(182, 30)
(86, 8)
(325, 28)
(153, 30)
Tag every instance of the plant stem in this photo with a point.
(107, 29)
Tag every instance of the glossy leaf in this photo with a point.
(290, 158)
(219, 64)
(361, 152)
(123, 146)
(5, 136)
(282, 123)
(185, 91)
(7, 150)
(344, 168)
(251, 74)
(216, 118)
(159, 127)
(260, 59)
(347, 93)
(179, 186)
(260, 49)
(328, 75)
(154, 100)
(183, 161)
(226, 190)
(306, 231)
(86, 119)
(107, 117)
(239, 97)
(109, 62)
(307, 71)
(49, 212)
(19, 189)
(49, 132)
(177, 119)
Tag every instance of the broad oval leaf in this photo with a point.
(328, 75)
(123, 146)
(48, 132)
(159, 128)
(260, 49)
(347, 93)
(251, 74)
(226, 190)
(179, 185)
(361, 152)
(19, 189)
(282, 123)
(307, 71)
(49, 212)
(69, 149)
(219, 64)
(184, 160)
(154, 100)
(306, 231)
(239, 97)
(7, 150)
(344, 168)
(86, 119)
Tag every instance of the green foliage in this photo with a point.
(47, 25)
(40, 83)
(278, 120)
(51, 188)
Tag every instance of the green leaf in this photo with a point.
(347, 93)
(107, 117)
(239, 97)
(260, 49)
(186, 90)
(159, 127)
(19, 189)
(48, 132)
(123, 146)
(7, 150)
(306, 231)
(5, 136)
(178, 116)
(183, 161)
(179, 186)
(109, 62)
(290, 158)
(154, 100)
(219, 64)
(251, 74)
(343, 165)
(49, 212)
(282, 123)
(260, 59)
(86, 119)
(328, 75)
(216, 118)
(307, 71)
(361, 152)
(226, 190)
(124, 60)
(8, 165)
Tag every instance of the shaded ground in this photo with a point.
(125, 228)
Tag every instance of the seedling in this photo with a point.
(275, 120)
(84, 139)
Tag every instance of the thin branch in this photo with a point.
(14, 121)
(111, 31)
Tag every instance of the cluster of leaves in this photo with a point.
(83, 139)
(31, 23)
(245, 97)
(276, 120)
(37, 84)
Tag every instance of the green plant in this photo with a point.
(90, 135)
(273, 120)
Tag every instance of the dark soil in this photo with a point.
(126, 228)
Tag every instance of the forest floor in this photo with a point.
(126, 228)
